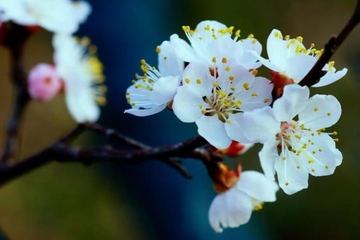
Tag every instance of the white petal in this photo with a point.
(276, 49)
(145, 112)
(82, 10)
(81, 104)
(213, 130)
(213, 25)
(257, 186)
(267, 63)
(230, 209)
(169, 63)
(247, 59)
(198, 71)
(183, 50)
(257, 126)
(321, 111)
(321, 156)
(292, 176)
(186, 104)
(268, 156)
(235, 130)
(291, 103)
(298, 66)
(329, 78)
(164, 89)
(258, 96)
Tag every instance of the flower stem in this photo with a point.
(331, 46)
(16, 37)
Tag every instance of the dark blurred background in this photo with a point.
(151, 201)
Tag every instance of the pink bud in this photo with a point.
(44, 82)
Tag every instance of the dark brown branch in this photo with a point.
(16, 37)
(10, 172)
(112, 134)
(62, 153)
(334, 43)
(88, 156)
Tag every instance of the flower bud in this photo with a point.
(235, 149)
(44, 82)
(222, 175)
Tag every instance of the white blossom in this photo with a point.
(152, 91)
(290, 61)
(77, 64)
(212, 39)
(213, 97)
(59, 16)
(294, 137)
(234, 207)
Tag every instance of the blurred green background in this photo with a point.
(150, 201)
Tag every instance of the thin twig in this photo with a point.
(10, 172)
(333, 44)
(64, 153)
(112, 134)
(16, 37)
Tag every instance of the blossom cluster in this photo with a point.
(76, 70)
(213, 81)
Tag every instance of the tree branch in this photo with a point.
(16, 37)
(112, 134)
(10, 172)
(333, 44)
(63, 153)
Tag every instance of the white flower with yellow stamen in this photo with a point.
(290, 61)
(212, 39)
(59, 16)
(213, 97)
(153, 90)
(77, 64)
(245, 192)
(294, 148)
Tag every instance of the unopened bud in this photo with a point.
(222, 175)
(44, 82)
(235, 149)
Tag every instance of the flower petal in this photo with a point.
(230, 209)
(183, 50)
(146, 111)
(213, 130)
(247, 59)
(299, 65)
(277, 51)
(321, 156)
(164, 89)
(169, 63)
(330, 77)
(291, 103)
(186, 104)
(291, 175)
(257, 186)
(257, 126)
(321, 111)
(258, 96)
(266, 62)
(81, 104)
(268, 156)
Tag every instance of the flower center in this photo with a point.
(287, 131)
(221, 103)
